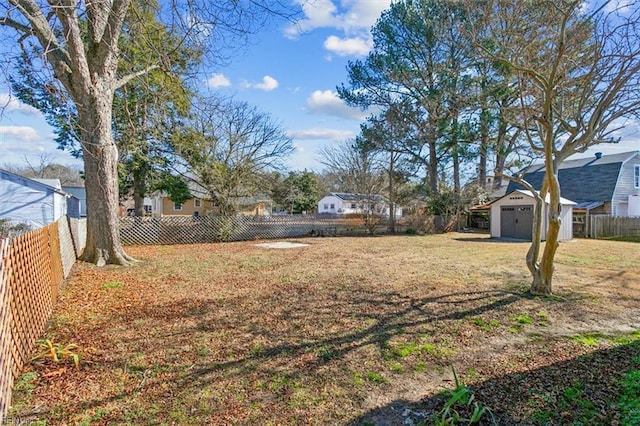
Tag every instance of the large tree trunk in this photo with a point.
(139, 191)
(392, 195)
(484, 147)
(101, 174)
(433, 167)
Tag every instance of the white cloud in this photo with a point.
(10, 103)
(328, 102)
(268, 83)
(218, 80)
(621, 6)
(352, 18)
(321, 133)
(347, 46)
(318, 14)
(20, 133)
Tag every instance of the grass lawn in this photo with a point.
(344, 331)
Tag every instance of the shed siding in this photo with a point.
(566, 217)
(566, 223)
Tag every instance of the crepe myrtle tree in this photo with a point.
(78, 41)
(578, 80)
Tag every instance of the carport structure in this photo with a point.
(511, 216)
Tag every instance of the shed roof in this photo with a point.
(563, 201)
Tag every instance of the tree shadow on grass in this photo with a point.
(585, 390)
(264, 340)
(201, 354)
(488, 239)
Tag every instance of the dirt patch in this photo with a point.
(281, 245)
(346, 331)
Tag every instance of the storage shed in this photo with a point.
(24, 200)
(511, 216)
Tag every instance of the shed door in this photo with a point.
(516, 222)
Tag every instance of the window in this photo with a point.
(177, 207)
(326, 206)
(636, 176)
(353, 205)
(333, 206)
(197, 202)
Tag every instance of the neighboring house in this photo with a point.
(344, 203)
(80, 194)
(511, 216)
(201, 205)
(603, 184)
(37, 202)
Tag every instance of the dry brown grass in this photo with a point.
(343, 331)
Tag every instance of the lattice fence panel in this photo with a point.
(6, 371)
(31, 275)
(206, 229)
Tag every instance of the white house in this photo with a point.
(344, 203)
(511, 216)
(31, 201)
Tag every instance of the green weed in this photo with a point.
(420, 367)
(461, 407)
(375, 377)
(26, 382)
(524, 319)
(486, 326)
(627, 338)
(112, 284)
(257, 350)
(325, 353)
(587, 339)
(629, 401)
(397, 368)
(57, 351)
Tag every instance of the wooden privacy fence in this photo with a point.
(206, 229)
(32, 269)
(603, 226)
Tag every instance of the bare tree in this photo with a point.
(227, 147)
(358, 171)
(45, 168)
(578, 68)
(78, 40)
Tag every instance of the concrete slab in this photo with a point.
(281, 245)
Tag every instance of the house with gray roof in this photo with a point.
(341, 203)
(602, 184)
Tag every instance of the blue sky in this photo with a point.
(289, 72)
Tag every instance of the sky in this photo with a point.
(290, 72)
